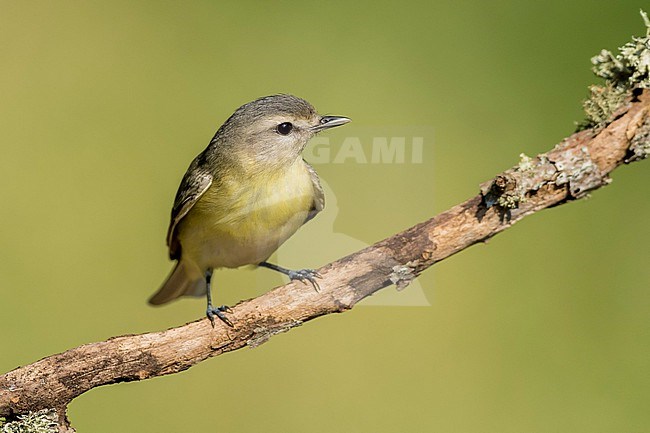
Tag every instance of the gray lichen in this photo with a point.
(42, 421)
(602, 103)
(402, 275)
(580, 172)
(622, 72)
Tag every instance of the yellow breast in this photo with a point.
(240, 221)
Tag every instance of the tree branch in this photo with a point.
(574, 167)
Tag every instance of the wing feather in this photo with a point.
(319, 196)
(194, 184)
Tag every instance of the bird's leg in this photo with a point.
(301, 275)
(215, 311)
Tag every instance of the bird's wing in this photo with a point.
(195, 182)
(319, 196)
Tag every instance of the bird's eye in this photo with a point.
(284, 128)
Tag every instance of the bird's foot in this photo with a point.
(211, 312)
(301, 275)
(306, 275)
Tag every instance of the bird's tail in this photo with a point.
(186, 279)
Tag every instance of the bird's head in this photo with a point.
(274, 129)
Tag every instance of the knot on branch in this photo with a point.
(512, 187)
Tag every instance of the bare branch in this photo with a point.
(577, 165)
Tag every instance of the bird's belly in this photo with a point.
(244, 242)
(257, 222)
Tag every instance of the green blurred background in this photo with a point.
(104, 104)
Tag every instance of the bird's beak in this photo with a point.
(327, 122)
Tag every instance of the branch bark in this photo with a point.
(577, 165)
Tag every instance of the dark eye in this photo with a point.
(284, 128)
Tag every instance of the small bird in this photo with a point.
(243, 196)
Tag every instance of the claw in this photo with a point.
(306, 274)
(219, 312)
(301, 275)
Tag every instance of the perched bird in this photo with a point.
(244, 195)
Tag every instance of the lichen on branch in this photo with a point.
(622, 72)
(41, 421)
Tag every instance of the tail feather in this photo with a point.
(185, 280)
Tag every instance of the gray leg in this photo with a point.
(215, 311)
(301, 275)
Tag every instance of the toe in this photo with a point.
(219, 312)
(314, 283)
